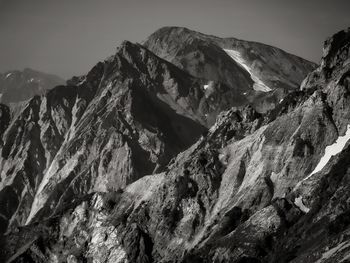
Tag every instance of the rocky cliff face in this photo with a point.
(124, 178)
(17, 86)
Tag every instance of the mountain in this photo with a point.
(127, 118)
(257, 188)
(17, 86)
(123, 165)
(248, 67)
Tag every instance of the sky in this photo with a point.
(68, 37)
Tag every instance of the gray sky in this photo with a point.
(67, 37)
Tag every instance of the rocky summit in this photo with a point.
(186, 148)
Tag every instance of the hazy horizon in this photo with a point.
(67, 38)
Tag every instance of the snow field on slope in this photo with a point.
(330, 151)
(258, 83)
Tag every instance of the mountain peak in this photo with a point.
(335, 53)
(175, 33)
(245, 66)
(126, 44)
(335, 44)
(171, 29)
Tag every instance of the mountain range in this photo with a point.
(18, 86)
(185, 148)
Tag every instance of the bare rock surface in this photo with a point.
(121, 182)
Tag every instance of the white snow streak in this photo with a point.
(236, 56)
(8, 75)
(330, 151)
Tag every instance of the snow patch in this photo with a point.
(208, 85)
(330, 151)
(237, 56)
(8, 75)
(299, 203)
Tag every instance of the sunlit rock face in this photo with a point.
(121, 182)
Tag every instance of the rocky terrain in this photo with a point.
(124, 164)
(17, 86)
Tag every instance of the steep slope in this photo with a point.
(244, 193)
(126, 118)
(242, 65)
(17, 86)
(30, 143)
(5, 118)
(253, 196)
